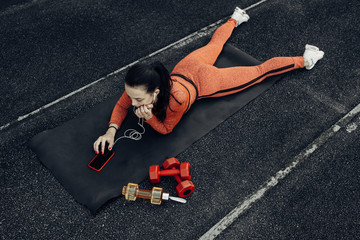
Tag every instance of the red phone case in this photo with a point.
(98, 170)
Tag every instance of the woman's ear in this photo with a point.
(157, 91)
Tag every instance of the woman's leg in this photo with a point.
(217, 82)
(210, 52)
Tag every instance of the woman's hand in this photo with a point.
(108, 137)
(144, 111)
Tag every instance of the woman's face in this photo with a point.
(139, 95)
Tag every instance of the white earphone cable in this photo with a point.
(133, 133)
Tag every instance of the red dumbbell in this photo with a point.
(184, 188)
(155, 173)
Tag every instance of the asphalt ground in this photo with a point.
(50, 49)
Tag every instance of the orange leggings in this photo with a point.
(216, 82)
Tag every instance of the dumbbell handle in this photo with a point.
(177, 178)
(141, 193)
(170, 172)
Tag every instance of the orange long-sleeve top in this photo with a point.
(174, 112)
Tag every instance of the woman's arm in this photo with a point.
(118, 115)
(120, 111)
(172, 117)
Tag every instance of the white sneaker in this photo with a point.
(240, 16)
(311, 55)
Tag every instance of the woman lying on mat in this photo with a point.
(161, 98)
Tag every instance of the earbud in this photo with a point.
(154, 96)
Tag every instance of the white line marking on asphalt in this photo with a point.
(272, 182)
(48, 105)
(18, 7)
(254, 5)
(210, 29)
(202, 32)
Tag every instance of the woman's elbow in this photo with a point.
(166, 131)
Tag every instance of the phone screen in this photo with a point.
(100, 160)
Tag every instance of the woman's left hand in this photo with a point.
(144, 112)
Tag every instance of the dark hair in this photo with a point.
(152, 76)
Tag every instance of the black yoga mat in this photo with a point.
(67, 149)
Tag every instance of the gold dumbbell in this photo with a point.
(156, 195)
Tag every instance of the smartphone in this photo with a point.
(100, 160)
